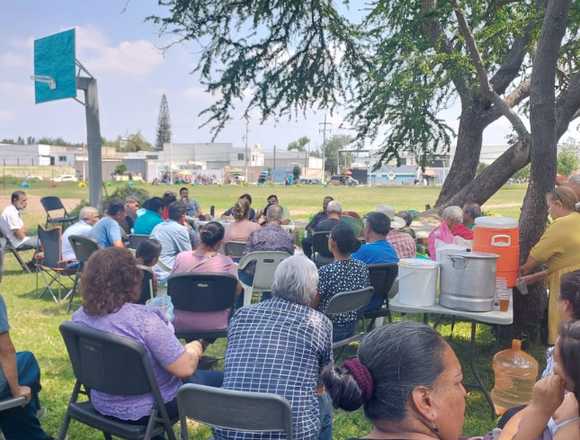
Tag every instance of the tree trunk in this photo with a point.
(542, 149)
(467, 152)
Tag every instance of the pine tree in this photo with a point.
(163, 125)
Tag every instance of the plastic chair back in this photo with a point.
(235, 249)
(83, 247)
(350, 301)
(51, 246)
(382, 277)
(108, 363)
(202, 292)
(266, 264)
(236, 410)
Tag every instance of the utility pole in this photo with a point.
(246, 148)
(323, 131)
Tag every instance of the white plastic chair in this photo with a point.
(266, 264)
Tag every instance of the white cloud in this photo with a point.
(6, 116)
(138, 57)
(14, 93)
(14, 60)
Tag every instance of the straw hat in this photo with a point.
(396, 221)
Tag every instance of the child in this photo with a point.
(147, 255)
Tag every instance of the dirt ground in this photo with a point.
(34, 213)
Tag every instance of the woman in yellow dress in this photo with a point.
(558, 249)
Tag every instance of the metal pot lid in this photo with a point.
(475, 255)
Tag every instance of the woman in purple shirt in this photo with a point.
(110, 285)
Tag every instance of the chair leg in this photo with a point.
(183, 428)
(73, 291)
(20, 261)
(64, 427)
(107, 436)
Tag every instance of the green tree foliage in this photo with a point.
(567, 162)
(163, 125)
(331, 151)
(120, 169)
(296, 173)
(131, 143)
(299, 144)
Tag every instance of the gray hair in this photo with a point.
(88, 212)
(296, 280)
(275, 212)
(334, 206)
(453, 213)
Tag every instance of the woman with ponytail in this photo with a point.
(409, 381)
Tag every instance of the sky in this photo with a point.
(125, 53)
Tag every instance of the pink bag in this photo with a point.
(443, 234)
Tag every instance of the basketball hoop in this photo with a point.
(49, 80)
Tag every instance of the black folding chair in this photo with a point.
(83, 248)
(202, 292)
(345, 302)
(53, 203)
(7, 246)
(235, 249)
(135, 239)
(382, 277)
(114, 365)
(51, 265)
(321, 254)
(147, 290)
(234, 410)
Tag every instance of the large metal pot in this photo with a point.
(468, 281)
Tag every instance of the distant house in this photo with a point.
(393, 175)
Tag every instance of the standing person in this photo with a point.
(342, 275)
(12, 225)
(557, 249)
(88, 217)
(150, 218)
(19, 377)
(131, 207)
(192, 208)
(107, 231)
(280, 346)
(252, 212)
(333, 216)
(242, 227)
(174, 238)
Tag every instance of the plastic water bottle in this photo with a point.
(515, 373)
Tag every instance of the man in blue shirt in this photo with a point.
(107, 232)
(377, 249)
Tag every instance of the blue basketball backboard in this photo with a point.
(54, 67)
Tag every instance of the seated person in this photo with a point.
(132, 205)
(174, 238)
(376, 250)
(88, 217)
(107, 232)
(145, 223)
(333, 216)
(470, 212)
(280, 346)
(110, 286)
(319, 216)
(273, 200)
(408, 218)
(451, 226)
(19, 377)
(205, 259)
(242, 227)
(12, 226)
(342, 275)
(168, 198)
(402, 242)
(147, 255)
(409, 380)
(251, 212)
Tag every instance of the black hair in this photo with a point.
(344, 237)
(406, 215)
(148, 251)
(473, 210)
(570, 291)
(153, 204)
(212, 233)
(400, 357)
(168, 198)
(569, 344)
(272, 195)
(246, 196)
(16, 196)
(183, 188)
(115, 207)
(379, 223)
(177, 210)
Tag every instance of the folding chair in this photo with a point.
(135, 239)
(382, 277)
(115, 365)
(234, 410)
(7, 246)
(147, 290)
(83, 248)
(51, 265)
(204, 294)
(266, 263)
(53, 203)
(321, 255)
(345, 302)
(235, 249)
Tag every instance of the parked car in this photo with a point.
(343, 180)
(305, 181)
(66, 178)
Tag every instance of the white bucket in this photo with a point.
(417, 281)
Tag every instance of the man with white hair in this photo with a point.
(87, 219)
(333, 216)
(280, 346)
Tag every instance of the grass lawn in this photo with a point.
(34, 321)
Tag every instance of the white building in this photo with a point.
(37, 154)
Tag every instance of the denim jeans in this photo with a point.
(21, 423)
(325, 403)
(343, 332)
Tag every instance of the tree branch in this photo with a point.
(515, 98)
(568, 105)
(484, 84)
